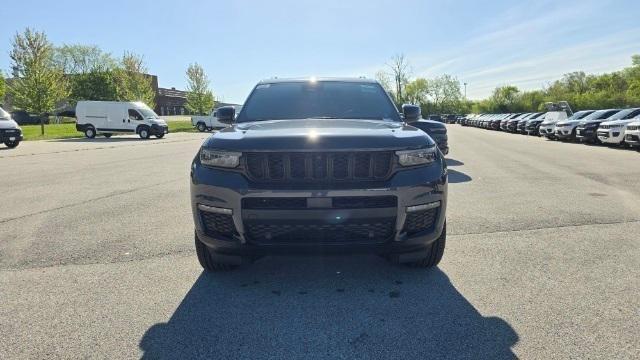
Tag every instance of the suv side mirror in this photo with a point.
(226, 114)
(412, 113)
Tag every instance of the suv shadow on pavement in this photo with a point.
(456, 176)
(327, 307)
(103, 140)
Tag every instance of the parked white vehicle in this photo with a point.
(548, 125)
(208, 122)
(613, 130)
(556, 113)
(10, 132)
(566, 129)
(112, 117)
(632, 133)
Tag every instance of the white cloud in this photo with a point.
(530, 45)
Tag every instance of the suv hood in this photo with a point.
(618, 122)
(319, 134)
(569, 122)
(8, 124)
(584, 122)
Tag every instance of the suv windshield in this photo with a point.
(4, 115)
(321, 99)
(600, 114)
(580, 114)
(621, 114)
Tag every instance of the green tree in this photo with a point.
(200, 98)
(95, 85)
(92, 73)
(530, 101)
(133, 83)
(82, 59)
(3, 87)
(452, 94)
(445, 95)
(38, 85)
(417, 91)
(504, 98)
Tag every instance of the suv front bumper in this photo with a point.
(565, 132)
(159, 129)
(548, 131)
(586, 134)
(632, 137)
(10, 135)
(611, 136)
(221, 190)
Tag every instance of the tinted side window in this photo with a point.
(632, 114)
(134, 115)
(607, 114)
(587, 113)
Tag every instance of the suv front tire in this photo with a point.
(435, 253)
(206, 259)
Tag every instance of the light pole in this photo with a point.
(465, 91)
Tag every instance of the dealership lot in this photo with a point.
(542, 260)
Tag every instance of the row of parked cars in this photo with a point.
(606, 126)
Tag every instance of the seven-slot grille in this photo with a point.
(319, 166)
(633, 127)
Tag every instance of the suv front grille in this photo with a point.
(633, 127)
(419, 221)
(318, 233)
(319, 166)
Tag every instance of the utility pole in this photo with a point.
(465, 91)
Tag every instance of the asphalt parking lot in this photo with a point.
(542, 261)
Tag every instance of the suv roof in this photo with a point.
(313, 78)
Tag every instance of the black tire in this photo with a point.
(90, 132)
(107, 135)
(435, 252)
(159, 136)
(144, 132)
(12, 144)
(201, 127)
(206, 260)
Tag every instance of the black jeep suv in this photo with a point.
(437, 131)
(319, 166)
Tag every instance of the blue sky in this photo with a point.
(486, 44)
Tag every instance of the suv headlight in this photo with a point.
(217, 158)
(417, 157)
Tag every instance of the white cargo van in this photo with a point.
(111, 117)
